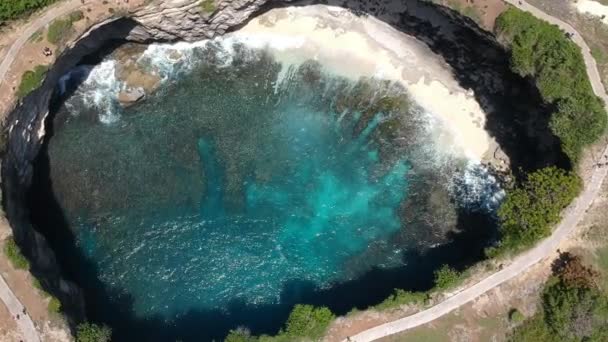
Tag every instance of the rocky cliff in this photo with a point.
(478, 62)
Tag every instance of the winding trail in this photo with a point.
(571, 216)
(14, 306)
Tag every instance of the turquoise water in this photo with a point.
(226, 185)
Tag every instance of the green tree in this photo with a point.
(529, 210)
(446, 277)
(89, 332)
(542, 51)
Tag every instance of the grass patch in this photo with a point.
(208, 6)
(31, 80)
(599, 54)
(54, 305)
(36, 37)
(13, 253)
(61, 28)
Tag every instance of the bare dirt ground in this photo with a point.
(484, 12)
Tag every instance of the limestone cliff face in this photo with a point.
(186, 19)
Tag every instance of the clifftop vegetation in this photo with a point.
(544, 52)
(12, 9)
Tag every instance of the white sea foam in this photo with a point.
(348, 46)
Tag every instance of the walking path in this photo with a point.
(15, 307)
(572, 215)
(33, 27)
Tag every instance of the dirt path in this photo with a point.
(572, 215)
(34, 26)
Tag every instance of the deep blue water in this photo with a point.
(228, 187)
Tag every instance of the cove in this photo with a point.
(245, 185)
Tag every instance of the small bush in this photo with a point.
(516, 317)
(54, 305)
(402, 297)
(31, 80)
(88, 332)
(308, 321)
(208, 6)
(13, 253)
(446, 277)
(76, 16)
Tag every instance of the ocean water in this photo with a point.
(242, 175)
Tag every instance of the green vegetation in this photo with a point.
(573, 307)
(88, 332)
(529, 211)
(516, 317)
(542, 51)
(37, 37)
(54, 305)
(208, 6)
(446, 277)
(305, 322)
(60, 28)
(13, 253)
(402, 297)
(31, 80)
(12, 9)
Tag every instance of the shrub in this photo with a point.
(570, 312)
(402, 297)
(446, 277)
(13, 253)
(240, 335)
(12, 9)
(542, 51)
(529, 210)
(208, 6)
(308, 321)
(88, 332)
(54, 305)
(516, 317)
(31, 80)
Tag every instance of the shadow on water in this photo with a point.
(509, 121)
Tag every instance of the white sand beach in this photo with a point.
(355, 46)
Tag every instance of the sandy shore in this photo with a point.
(355, 46)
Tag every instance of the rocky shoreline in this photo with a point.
(478, 61)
